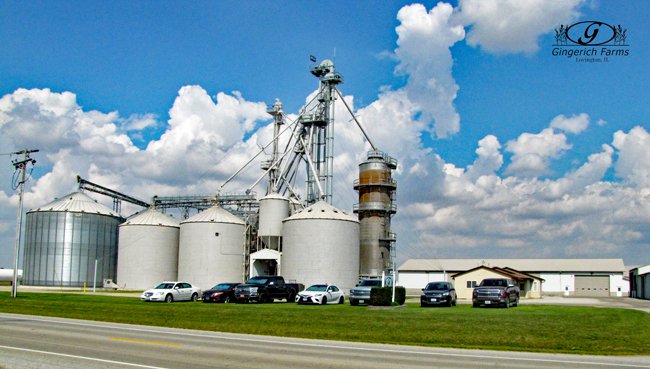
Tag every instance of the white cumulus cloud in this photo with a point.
(504, 26)
(575, 124)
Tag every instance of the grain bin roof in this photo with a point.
(215, 214)
(152, 217)
(322, 210)
(275, 196)
(76, 202)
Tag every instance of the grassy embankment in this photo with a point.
(555, 329)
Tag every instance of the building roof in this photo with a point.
(215, 214)
(645, 269)
(151, 217)
(322, 210)
(506, 272)
(524, 265)
(77, 202)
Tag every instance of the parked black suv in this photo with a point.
(438, 293)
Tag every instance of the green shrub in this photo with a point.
(383, 296)
(400, 295)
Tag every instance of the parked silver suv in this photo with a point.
(361, 293)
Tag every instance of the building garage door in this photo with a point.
(592, 286)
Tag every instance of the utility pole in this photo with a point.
(20, 165)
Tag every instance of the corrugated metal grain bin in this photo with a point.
(65, 237)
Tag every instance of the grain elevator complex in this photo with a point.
(293, 230)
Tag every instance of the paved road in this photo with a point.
(42, 342)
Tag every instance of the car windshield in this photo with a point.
(370, 283)
(437, 287)
(165, 286)
(317, 287)
(257, 280)
(493, 283)
(222, 286)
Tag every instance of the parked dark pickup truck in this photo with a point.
(496, 291)
(266, 289)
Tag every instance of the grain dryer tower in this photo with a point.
(375, 208)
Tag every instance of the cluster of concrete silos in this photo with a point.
(319, 244)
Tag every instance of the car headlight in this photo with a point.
(253, 289)
(446, 294)
(319, 294)
(160, 293)
(217, 294)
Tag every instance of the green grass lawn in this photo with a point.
(556, 329)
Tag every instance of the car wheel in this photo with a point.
(455, 302)
(354, 302)
(292, 297)
(476, 304)
(342, 300)
(517, 301)
(195, 297)
(507, 303)
(169, 298)
(324, 300)
(226, 300)
(261, 298)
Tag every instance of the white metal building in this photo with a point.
(568, 277)
(640, 282)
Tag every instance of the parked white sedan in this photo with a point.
(321, 294)
(172, 291)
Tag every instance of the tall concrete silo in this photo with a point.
(65, 237)
(375, 208)
(321, 245)
(274, 208)
(147, 250)
(211, 248)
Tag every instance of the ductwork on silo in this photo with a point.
(65, 237)
(211, 248)
(147, 250)
(321, 245)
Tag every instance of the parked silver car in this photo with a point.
(361, 293)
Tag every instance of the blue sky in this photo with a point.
(131, 66)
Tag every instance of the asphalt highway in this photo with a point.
(41, 342)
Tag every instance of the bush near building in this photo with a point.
(383, 296)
